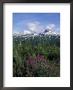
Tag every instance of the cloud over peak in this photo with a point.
(35, 27)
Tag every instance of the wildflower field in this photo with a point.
(37, 56)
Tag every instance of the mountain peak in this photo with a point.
(29, 33)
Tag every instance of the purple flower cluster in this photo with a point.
(37, 63)
(34, 60)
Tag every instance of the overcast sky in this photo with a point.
(35, 22)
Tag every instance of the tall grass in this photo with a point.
(36, 57)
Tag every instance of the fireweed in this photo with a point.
(37, 66)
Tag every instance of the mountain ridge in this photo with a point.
(45, 32)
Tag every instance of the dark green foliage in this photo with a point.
(36, 57)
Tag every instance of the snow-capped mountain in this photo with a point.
(50, 32)
(29, 34)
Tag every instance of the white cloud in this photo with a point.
(35, 27)
(51, 27)
(27, 32)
